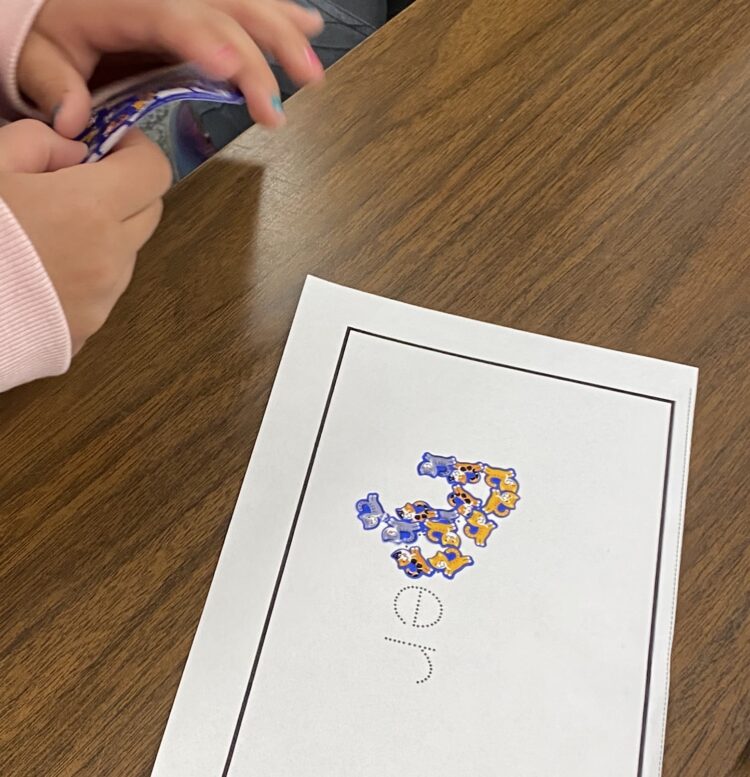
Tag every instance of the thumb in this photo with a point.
(48, 78)
(28, 146)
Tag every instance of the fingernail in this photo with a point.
(278, 106)
(313, 59)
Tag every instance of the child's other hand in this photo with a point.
(87, 222)
(225, 38)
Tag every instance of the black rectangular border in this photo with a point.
(274, 595)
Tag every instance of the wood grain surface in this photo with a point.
(579, 168)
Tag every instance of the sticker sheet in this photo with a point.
(455, 551)
(122, 106)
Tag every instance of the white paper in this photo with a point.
(548, 656)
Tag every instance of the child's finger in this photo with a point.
(255, 78)
(47, 77)
(132, 177)
(29, 146)
(218, 44)
(275, 33)
(195, 33)
(307, 20)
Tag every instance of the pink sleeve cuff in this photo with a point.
(34, 335)
(16, 18)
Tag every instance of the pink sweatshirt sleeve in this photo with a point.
(34, 335)
(16, 18)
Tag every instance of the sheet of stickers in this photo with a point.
(125, 104)
(455, 551)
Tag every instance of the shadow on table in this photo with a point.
(187, 302)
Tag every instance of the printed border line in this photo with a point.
(295, 521)
(284, 558)
(657, 576)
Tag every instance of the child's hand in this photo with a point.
(87, 222)
(225, 38)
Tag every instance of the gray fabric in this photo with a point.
(369, 14)
(347, 24)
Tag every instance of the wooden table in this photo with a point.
(579, 169)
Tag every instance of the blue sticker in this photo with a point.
(121, 110)
(466, 517)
